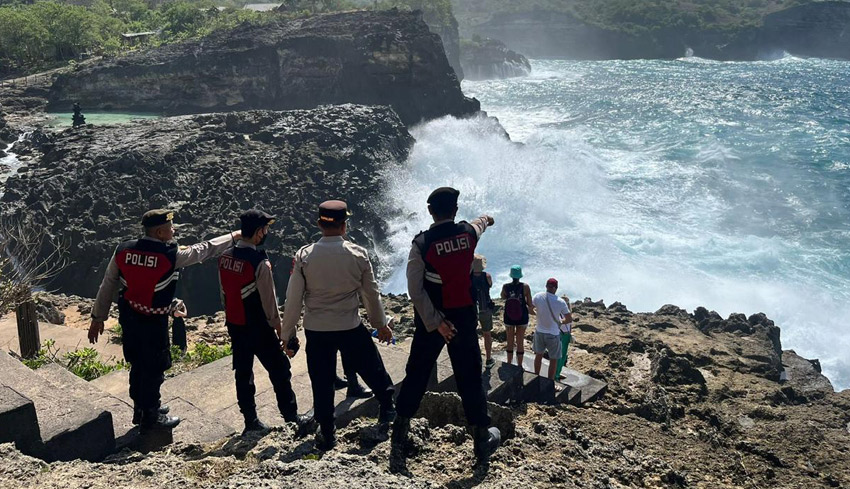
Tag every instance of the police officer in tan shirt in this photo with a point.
(329, 279)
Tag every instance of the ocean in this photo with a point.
(687, 182)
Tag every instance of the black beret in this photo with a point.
(443, 198)
(157, 217)
(254, 219)
(333, 211)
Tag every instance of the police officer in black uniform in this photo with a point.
(439, 282)
(144, 273)
(253, 322)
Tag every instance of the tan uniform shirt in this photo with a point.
(329, 278)
(416, 279)
(265, 287)
(186, 255)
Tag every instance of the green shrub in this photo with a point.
(203, 353)
(87, 364)
(46, 354)
(199, 354)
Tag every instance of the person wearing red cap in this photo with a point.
(552, 313)
(329, 279)
(143, 274)
(439, 282)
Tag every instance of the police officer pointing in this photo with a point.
(144, 273)
(329, 278)
(253, 321)
(439, 282)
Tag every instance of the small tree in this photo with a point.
(29, 258)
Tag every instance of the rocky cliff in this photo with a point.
(90, 186)
(815, 29)
(693, 401)
(485, 59)
(365, 57)
(447, 29)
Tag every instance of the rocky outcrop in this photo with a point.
(490, 59)
(90, 186)
(365, 57)
(685, 408)
(447, 29)
(816, 29)
(820, 29)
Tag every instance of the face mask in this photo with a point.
(263, 239)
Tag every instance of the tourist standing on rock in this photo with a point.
(253, 322)
(566, 338)
(482, 282)
(144, 273)
(439, 284)
(518, 306)
(553, 312)
(329, 278)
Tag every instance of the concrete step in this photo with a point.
(573, 387)
(70, 427)
(18, 421)
(72, 386)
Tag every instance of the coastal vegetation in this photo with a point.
(44, 34)
(631, 16)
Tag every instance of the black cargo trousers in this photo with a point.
(358, 349)
(147, 349)
(465, 355)
(261, 341)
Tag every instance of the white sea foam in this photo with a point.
(626, 225)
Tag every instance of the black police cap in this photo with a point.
(333, 211)
(157, 217)
(444, 198)
(254, 219)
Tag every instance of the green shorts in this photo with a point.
(486, 320)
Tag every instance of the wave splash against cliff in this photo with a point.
(648, 192)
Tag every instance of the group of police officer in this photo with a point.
(329, 280)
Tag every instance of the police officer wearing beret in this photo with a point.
(329, 278)
(143, 273)
(253, 321)
(439, 282)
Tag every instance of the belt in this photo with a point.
(151, 311)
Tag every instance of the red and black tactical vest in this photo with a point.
(148, 275)
(448, 251)
(237, 271)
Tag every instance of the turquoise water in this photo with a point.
(63, 119)
(688, 182)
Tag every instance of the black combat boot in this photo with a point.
(485, 441)
(357, 390)
(254, 425)
(326, 437)
(137, 413)
(304, 424)
(154, 420)
(401, 427)
(387, 413)
(398, 445)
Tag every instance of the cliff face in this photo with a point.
(367, 57)
(91, 185)
(448, 32)
(816, 29)
(490, 58)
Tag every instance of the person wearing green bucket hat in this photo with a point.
(518, 306)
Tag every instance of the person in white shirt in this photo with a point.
(552, 312)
